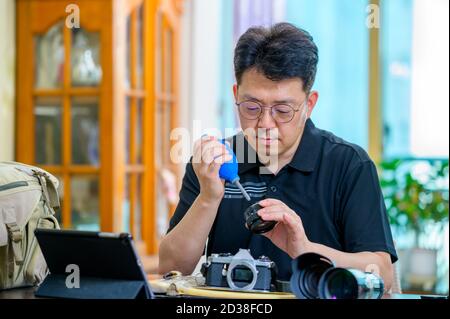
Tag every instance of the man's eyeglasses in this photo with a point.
(281, 113)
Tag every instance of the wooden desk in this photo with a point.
(19, 293)
(28, 293)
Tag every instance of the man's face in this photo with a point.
(267, 136)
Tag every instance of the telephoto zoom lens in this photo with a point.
(307, 269)
(341, 283)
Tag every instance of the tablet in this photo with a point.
(107, 265)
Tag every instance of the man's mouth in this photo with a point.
(267, 140)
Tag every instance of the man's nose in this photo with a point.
(266, 120)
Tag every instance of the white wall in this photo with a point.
(200, 69)
(430, 79)
(186, 65)
(7, 78)
(200, 65)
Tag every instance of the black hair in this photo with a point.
(280, 52)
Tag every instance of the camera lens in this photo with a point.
(310, 279)
(254, 222)
(307, 270)
(314, 276)
(340, 283)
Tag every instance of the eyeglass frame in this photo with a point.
(270, 107)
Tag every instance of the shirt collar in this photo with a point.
(305, 157)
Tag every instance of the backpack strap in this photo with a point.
(14, 234)
(49, 190)
(16, 239)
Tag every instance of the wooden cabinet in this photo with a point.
(88, 102)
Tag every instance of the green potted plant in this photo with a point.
(413, 203)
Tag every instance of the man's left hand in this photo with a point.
(288, 234)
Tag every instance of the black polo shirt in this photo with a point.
(330, 183)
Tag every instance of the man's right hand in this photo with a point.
(209, 155)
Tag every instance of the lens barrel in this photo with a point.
(342, 283)
(255, 223)
(315, 276)
(307, 269)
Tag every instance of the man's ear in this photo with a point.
(312, 101)
(235, 92)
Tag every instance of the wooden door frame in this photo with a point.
(49, 13)
(112, 167)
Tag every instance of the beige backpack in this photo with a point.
(28, 197)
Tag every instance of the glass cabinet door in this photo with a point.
(85, 202)
(84, 110)
(48, 119)
(85, 130)
(85, 58)
(66, 118)
(49, 58)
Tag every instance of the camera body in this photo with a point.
(239, 272)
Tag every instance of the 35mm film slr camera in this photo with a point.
(239, 272)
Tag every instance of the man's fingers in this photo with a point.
(275, 216)
(214, 168)
(207, 145)
(292, 221)
(294, 224)
(223, 158)
(200, 144)
(213, 152)
(272, 209)
(210, 154)
(217, 163)
(269, 202)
